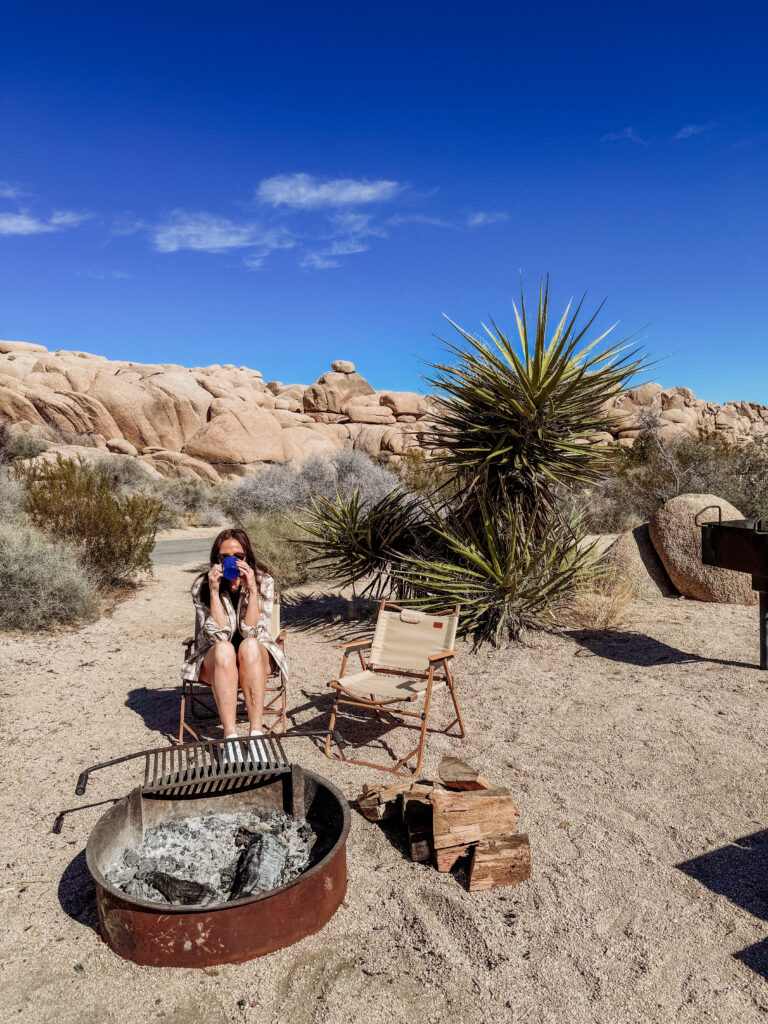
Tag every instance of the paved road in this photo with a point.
(179, 552)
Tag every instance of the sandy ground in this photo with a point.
(629, 753)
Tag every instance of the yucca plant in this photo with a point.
(511, 438)
(520, 420)
(505, 573)
(355, 541)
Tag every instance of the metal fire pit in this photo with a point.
(740, 545)
(165, 935)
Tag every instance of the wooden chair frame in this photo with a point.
(192, 698)
(439, 661)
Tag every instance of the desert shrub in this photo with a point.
(653, 471)
(417, 473)
(189, 502)
(603, 602)
(279, 541)
(280, 488)
(510, 437)
(15, 444)
(10, 496)
(113, 534)
(41, 583)
(122, 473)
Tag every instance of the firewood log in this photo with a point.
(461, 819)
(503, 861)
(456, 774)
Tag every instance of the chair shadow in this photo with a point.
(338, 617)
(358, 728)
(159, 709)
(77, 893)
(632, 648)
(739, 871)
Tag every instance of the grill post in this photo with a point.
(763, 623)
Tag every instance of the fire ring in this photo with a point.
(184, 936)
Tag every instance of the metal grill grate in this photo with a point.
(206, 766)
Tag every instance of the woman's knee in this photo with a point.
(251, 652)
(224, 654)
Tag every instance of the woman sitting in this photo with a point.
(233, 646)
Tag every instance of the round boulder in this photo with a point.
(633, 556)
(677, 541)
(343, 366)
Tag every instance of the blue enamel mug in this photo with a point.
(229, 567)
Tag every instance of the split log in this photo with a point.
(456, 774)
(379, 802)
(503, 861)
(417, 815)
(445, 859)
(461, 819)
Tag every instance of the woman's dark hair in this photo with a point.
(242, 538)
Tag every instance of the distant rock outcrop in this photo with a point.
(211, 423)
(222, 422)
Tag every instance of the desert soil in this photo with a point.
(630, 754)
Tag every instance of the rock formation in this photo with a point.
(223, 422)
(211, 423)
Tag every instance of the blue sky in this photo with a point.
(198, 183)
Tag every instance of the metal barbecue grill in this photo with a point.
(206, 766)
(742, 546)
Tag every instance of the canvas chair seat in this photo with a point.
(409, 660)
(388, 686)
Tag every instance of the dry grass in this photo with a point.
(605, 602)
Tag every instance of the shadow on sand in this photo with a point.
(739, 871)
(632, 648)
(77, 894)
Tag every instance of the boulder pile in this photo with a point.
(224, 422)
(211, 423)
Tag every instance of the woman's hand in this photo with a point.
(214, 578)
(247, 576)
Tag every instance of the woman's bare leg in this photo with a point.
(253, 660)
(219, 668)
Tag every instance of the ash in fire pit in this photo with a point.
(214, 858)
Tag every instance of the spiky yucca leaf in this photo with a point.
(522, 419)
(504, 576)
(355, 541)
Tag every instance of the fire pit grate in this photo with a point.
(203, 767)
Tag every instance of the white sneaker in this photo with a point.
(232, 753)
(257, 751)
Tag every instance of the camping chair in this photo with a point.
(275, 698)
(406, 653)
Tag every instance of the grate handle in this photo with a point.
(706, 509)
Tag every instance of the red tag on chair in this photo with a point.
(437, 625)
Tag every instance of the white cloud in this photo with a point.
(205, 232)
(306, 192)
(318, 261)
(419, 218)
(103, 275)
(625, 133)
(689, 130)
(10, 191)
(24, 223)
(479, 218)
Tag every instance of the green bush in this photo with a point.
(122, 473)
(189, 502)
(113, 534)
(279, 542)
(653, 471)
(15, 444)
(41, 583)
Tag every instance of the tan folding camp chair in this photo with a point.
(407, 651)
(275, 698)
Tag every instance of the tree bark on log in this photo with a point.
(503, 861)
